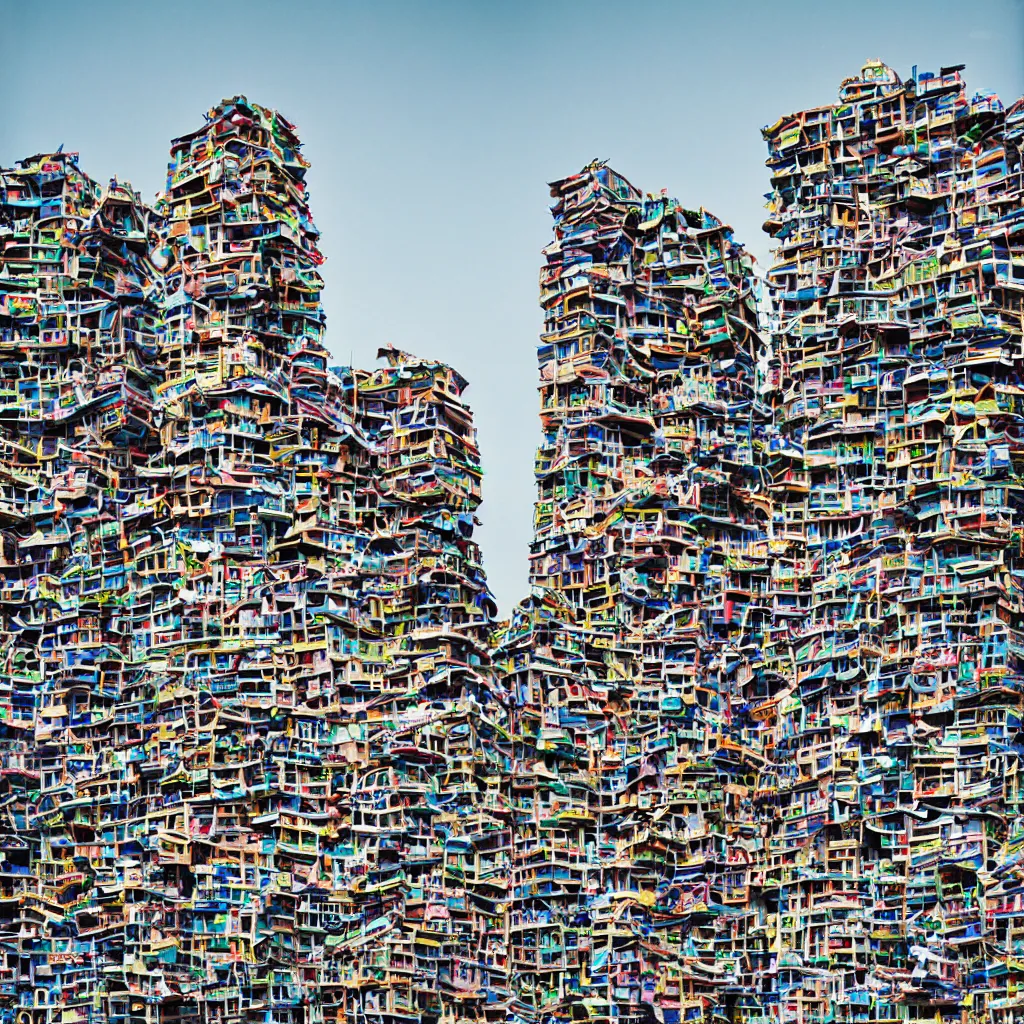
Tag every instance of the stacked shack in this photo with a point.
(751, 750)
(249, 727)
(894, 469)
(634, 669)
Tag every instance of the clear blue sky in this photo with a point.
(433, 128)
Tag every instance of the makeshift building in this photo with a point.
(750, 750)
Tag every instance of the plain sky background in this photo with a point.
(433, 127)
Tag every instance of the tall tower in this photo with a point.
(634, 662)
(895, 470)
(80, 305)
(326, 619)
